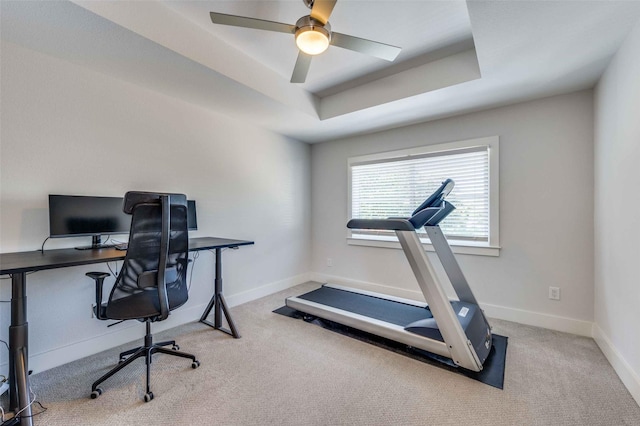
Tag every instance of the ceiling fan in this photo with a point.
(313, 35)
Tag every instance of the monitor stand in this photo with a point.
(96, 244)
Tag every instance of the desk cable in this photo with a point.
(115, 274)
(33, 401)
(196, 255)
(2, 383)
(42, 248)
(46, 239)
(5, 379)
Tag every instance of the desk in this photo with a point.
(18, 264)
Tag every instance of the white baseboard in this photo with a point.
(133, 331)
(629, 377)
(537, 319)
(266, 290)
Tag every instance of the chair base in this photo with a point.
(146, 351)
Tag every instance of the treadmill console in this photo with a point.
(430, 213)
(434, 209)
(438, 195)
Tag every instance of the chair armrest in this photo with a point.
(98, 277)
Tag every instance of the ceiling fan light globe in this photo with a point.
(312, 40)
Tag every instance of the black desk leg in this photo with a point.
(218, 304)
(18, 351)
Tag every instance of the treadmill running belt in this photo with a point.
(390, 311)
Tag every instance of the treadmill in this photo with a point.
(456, 329)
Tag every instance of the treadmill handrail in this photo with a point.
(391, 224)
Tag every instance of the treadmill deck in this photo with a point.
(386, 310)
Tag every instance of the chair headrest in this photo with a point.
(132, 198)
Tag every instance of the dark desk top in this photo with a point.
(28, 261)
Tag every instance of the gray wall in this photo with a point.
(69, 130)
(617, 217)
(546, 211)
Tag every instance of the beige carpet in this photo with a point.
(287, 372)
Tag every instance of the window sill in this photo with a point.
(458, 247)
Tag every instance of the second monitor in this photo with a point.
(192, 218)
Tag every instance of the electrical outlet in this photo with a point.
(554, 293)
(329, 262)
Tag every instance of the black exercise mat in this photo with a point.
(492, 373)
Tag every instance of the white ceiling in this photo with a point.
(457, 56)
(419, 27)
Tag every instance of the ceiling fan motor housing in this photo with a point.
(312, 36)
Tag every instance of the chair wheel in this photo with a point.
(148, 396)
(195, 364)
(96, 393)
(175, 347)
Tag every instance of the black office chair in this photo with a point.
(152, 280)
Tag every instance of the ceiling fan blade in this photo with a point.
(302, 68)
(322, 9)
(258, 24)
(369, 47)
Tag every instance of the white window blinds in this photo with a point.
(395, 187)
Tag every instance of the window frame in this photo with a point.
(489, 248)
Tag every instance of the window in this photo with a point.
(393, 184)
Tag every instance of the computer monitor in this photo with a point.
(76, 216)
(192, 218)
